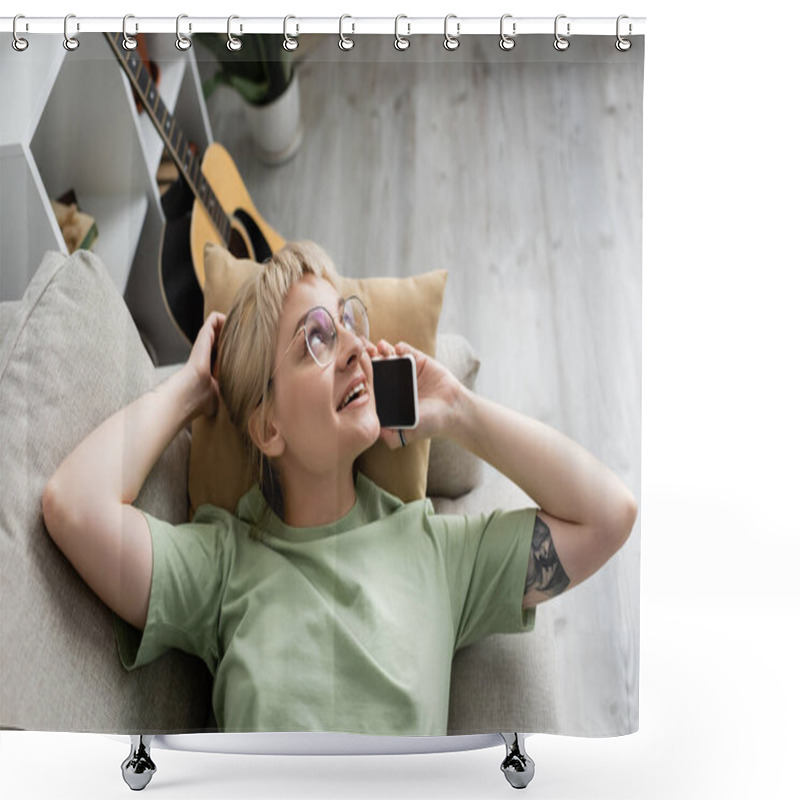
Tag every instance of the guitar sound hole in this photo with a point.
(237, 245)
(261, 249)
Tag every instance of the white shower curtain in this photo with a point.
(518, 171)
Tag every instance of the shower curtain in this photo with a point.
(517, 170)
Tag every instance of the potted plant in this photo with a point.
(263, 73)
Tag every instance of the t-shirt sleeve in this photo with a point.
(486, 562)
(185, 595)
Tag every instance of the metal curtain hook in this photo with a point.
(18, 43)
(128, 42)
(182, 43)
(623, 45)
(344, 42)
(451, 42)
(507, 42)
(289, 43)
(233, 44)
(561, 43)
(70, 43)
(400, 42)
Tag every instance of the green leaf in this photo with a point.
(252, 91)
(260, 71)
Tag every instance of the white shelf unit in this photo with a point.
(28, 227)
(69, 121)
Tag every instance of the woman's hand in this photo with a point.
(199, 369)
(438, 391)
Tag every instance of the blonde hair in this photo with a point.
(247, 343)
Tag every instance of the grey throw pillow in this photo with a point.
(453, 471)
(70, 357)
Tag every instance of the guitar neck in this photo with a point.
(174, 140)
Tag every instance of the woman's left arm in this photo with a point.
(566, 480)
(587, 512)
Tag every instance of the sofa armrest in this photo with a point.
(505, 682)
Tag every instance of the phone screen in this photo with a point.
(395, 382)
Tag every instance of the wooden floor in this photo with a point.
(520, 173)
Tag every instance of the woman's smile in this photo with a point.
(361, 400)
(356, 392)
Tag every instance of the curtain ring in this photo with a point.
(561, 43)
(128, 42)
(507, 42)
(344, 42)
(289, 43)
(623, 45)
(70, 43)
(182, 43)
(234, 44)
(400, 42)
(18, 43)
(451, 42)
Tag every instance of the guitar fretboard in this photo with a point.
(173, 137)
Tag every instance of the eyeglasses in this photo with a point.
(320, 330)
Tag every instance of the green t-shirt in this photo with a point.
(348, 627)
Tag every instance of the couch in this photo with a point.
(70, 355)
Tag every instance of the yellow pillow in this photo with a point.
(404, 309)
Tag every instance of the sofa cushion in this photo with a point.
(399, 308)
(70, 357)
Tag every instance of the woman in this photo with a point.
(335, 606)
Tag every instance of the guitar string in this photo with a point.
(186, 161)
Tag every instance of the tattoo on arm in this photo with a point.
(545, 573)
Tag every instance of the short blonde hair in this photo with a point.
(247, 343)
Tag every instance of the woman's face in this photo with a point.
(318, 433)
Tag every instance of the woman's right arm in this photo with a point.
(87, 502)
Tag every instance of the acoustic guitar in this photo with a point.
(209, 203)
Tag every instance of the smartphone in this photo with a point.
(395, 382)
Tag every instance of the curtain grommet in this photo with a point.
(289, 42)
(70, 42)
(622, 44)
(401, 42)
(19, 43)
(560, 43)
(451, 42)
(507, 42)
(233, 44)
(182, 42)
(345, 43)
(128, 42)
